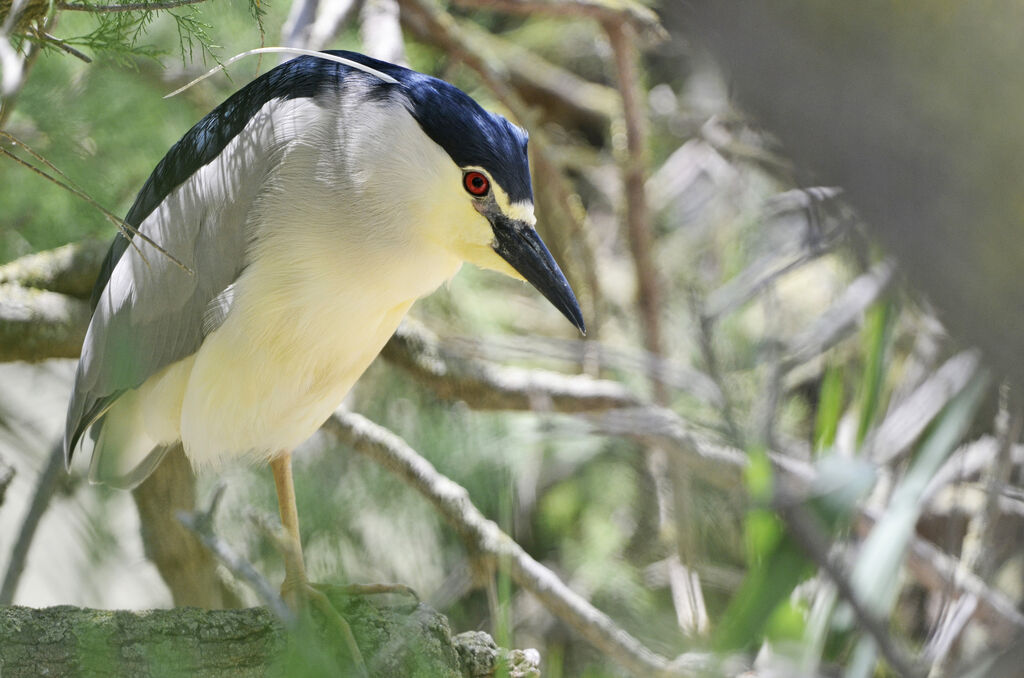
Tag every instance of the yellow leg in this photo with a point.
(296, 589)
(294, 566)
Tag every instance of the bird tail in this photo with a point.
(119, 459)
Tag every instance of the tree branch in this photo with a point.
(486, 386)
(70, 269)
(128, 7)
(37, 324)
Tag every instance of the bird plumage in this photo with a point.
(314, 206)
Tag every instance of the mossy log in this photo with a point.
(396, 639)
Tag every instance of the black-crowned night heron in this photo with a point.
(312, 208)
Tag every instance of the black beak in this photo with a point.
(519, 245)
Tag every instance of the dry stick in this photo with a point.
(483, 385)
(686, 591)
(814, 543)
(484, 537)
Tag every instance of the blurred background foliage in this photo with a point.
(783, 333)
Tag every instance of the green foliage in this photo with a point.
(876, 335)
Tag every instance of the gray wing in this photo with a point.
(150, 312)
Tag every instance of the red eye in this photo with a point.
(476, 183)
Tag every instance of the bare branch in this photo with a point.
(54, 40)
(127, 7)
(486, 386)
(580, 353)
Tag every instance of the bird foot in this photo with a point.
(303, 596)
(368, 590)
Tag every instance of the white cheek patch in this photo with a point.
(522, 211)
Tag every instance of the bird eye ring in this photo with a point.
(476, 183)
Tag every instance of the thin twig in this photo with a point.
(128, 7)
(54, 40)
(686, 592)
(127, 229)
(201, 524)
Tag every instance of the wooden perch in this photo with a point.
(395, 640)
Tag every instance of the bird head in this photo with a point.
(497, 227)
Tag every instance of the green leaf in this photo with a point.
(876, 335)
(830, 409)
(766, 586)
